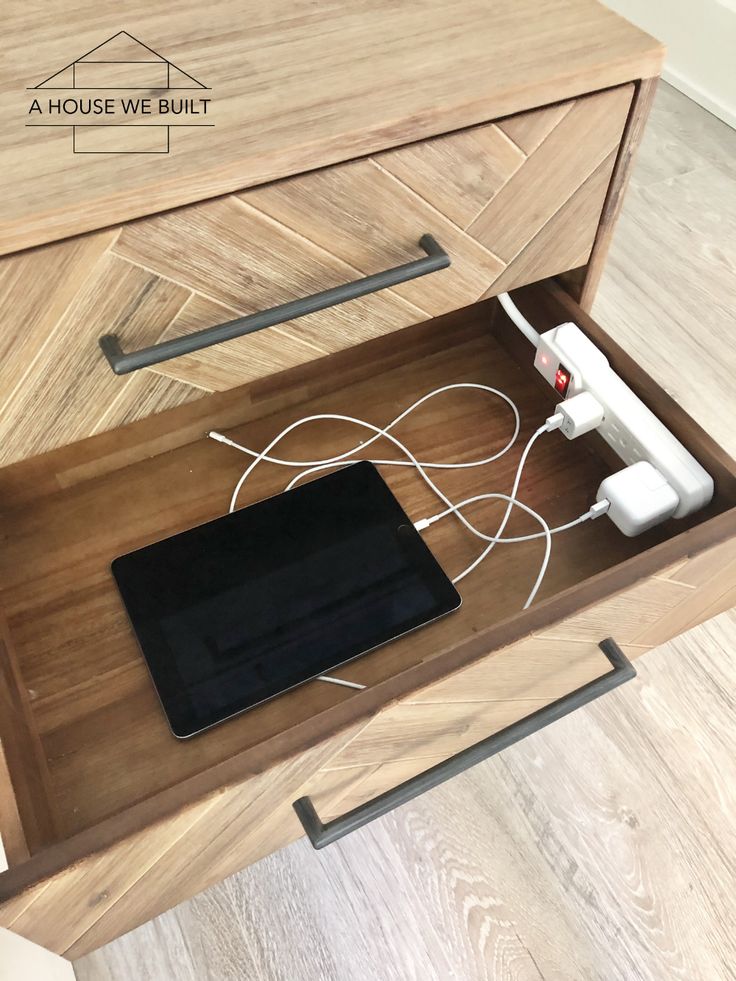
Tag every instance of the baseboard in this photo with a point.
(698, 94)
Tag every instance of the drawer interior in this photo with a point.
(86, 737)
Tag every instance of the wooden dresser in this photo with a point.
(344, 135)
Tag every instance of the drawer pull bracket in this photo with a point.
(121, 363)
(324, 834)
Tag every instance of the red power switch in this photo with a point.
(562, 380)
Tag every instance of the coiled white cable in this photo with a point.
(599, 508)
(456, 508)
(420, 465)
(342, 459)
(595, 511)
(547, 533)
(507, 514)
(264, 454)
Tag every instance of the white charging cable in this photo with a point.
(343, 459)
(595, 511)
(308, 467)
(456, 510)
(599, 508)
(514, 314)
(378, 432)
(573, 417)
(420, 465)
(552, 423)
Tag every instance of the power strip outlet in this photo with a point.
(571, 363)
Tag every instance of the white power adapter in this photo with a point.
(572, 364)
(639, 498)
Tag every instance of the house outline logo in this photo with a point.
(122, 63)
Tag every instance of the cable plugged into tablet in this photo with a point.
(573, 417)
(661, 479)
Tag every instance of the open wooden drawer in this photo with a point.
(107, 819)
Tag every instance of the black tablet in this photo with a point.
(241, 609)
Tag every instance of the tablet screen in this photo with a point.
(241, 609)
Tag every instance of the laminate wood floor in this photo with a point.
(603, 849)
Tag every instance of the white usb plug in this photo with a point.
(572, 364)
(636, 498)
(576, 416)
(662, 479)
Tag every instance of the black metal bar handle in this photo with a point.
(324, 834)
(121, 363)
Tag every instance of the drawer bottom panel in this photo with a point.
(121, 821)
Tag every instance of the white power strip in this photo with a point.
(571, 363)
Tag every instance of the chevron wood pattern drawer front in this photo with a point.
(473, 703)
(511, 201)
(102, 893)
(108, 892)
(527, 191)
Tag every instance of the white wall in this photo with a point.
(24, 961)
(701, 46)
(20, 960)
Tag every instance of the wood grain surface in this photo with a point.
(293, 87)
(13, 845)
(593, 126)
(170, 275)
(463, 708)
(638, 116)
(125, 796)
(90, 902)
(598, 850)
(601, 849)
(94, 727)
